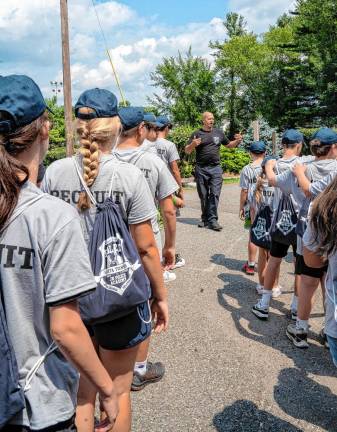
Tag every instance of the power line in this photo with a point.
(108, 53)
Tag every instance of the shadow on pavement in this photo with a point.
(302, 398)
(188, 221)
(271, 333)
(244, 415)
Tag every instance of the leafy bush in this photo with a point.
(186, 169)
(54, 154)
(233, 160)
(180, 136)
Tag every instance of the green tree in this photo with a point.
(57, 132)
(188, 88)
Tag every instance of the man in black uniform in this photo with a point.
(208, 172)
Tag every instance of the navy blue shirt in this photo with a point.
(208, 152)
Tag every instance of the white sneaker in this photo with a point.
(259, 289)
(169, 276)
(276, 292)
(180, 262)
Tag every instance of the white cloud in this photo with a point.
(32, 31)
(260, 14)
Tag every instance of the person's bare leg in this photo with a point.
(306, 291)
(272, 272)
(143, 350)
(85, 410)
(323, 290)
(120, 365)
(252, 252)
(262, 265)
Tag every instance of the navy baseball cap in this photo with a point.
(131, 117)
(257, 147)
(165, 121)
(268, 158)
(103, 102)
(292, 136)
(151, 118)
(326, 136)
(22, 100)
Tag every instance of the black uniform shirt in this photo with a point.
(208, 152)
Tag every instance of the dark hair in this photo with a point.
(289, 144)
(318, 149)
(13, 174)
(324, 220)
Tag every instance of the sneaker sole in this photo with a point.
(178, 266)
(260, 316)
(145, 383)
(301, 344)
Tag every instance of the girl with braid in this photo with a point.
(98, 127)
(45, 268)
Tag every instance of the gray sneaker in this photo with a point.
(154, 373)
(297, 336)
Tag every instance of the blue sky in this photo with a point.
(139, 34)
(178, 12)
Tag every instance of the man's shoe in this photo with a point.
(154, 373)
(260, 311)
(202, 224)
(297, 336)
(169, 276)
(180, 262)
(249, 270)
(215, 226)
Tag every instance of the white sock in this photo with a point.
(302, 324)
(294, 303)
(265, 299)
(140, 368)
(251, 264)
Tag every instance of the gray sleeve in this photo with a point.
(141, 207)
(284, 181)
(45, 184)
(173, 154)
(244, 178)
(319, 186)
(167, 185)
(309, 239)
(66, 265)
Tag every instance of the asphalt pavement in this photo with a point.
(225, 369)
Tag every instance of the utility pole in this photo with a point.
(68, 114)
(274, 141)
(256, 130)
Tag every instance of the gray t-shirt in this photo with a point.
(319, 186)
(156, 173)
(309, 240)
(287, 182)
(249, 175)
(267, 196)
(165, 149)
(130, 191)
(44, 262)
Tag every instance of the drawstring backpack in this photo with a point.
(12, 399)
(122, 284)
(283, 227)
(259, 233)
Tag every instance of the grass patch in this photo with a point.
(231, 180)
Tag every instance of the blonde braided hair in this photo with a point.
(95, 135)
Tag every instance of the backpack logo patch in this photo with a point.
(116, 270)
(260, 229)
(285, 224)
(216, 140)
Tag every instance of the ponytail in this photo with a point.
(14, 174)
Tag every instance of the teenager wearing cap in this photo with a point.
(324, 147)
(98, 127)
(208, 172)
(45, 268)
(248, 178)
(285, 183)
(162, 186)
(168, 153)
(262, 195)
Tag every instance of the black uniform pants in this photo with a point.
(209, 183)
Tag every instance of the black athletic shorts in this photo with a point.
(66, 426)
(279, 250)
(125, 332)
(302, 269)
